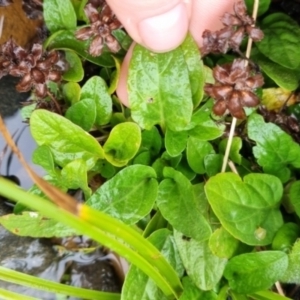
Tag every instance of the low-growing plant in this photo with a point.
(197, 183)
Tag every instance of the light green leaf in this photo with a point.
(203, 267)
(34, 225)
(293, 196)
(115, 79)
(74, 176)
(213, 164)
(292, 274)
(66, 140)
(66, 40)
(82, 113)
(129, 195)
(71, 92)
(191, 292)
(253, 272)
(195, 66)
(75, 70)
(122, 144)
(175, 199)
(95, 88)
(59, 15)
(248, 209)
(137, 285)
(203, 127)
(159, 89)
(275, 150)
(235, 148)
(175, 142)
(43, 156)
(196, 152)
(281, 42)
(223, 244)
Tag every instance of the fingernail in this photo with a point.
(166, 31)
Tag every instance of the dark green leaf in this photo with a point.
(151, 140)
(95, 88)
(122, 144)
(275, 150)
(262, 7)
(252, 272)
(203, 267)
(175, 141)
(82, 113)
(159, 89)
(293, 196)
(66, 40)
(285, 78)
(281, 42)
(247, 209)
(59, 15)
(177, 204)
(129, 195)
(66, 140)
(75, 70)
(137, 285)
(197, 150)
(34, 225)
(213, 164)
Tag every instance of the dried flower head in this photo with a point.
(236, 26)
(33, 9)
(35, 66)
(100, 29)
(234, 88)
(5, 2)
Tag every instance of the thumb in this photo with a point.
(159, 25)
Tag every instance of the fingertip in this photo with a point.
(166, 31)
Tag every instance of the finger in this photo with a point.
(159, 25)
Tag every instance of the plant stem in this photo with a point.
(234, 120)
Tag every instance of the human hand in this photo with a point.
(161, 25)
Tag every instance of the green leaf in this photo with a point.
(223, 244)
(248, 209)
(137, 285)
(293, 196)
(75, 70)
(191, 292)
(43, 156)
(34, 225)
(292, 274)
(203, 267)
(195, 67)
(66, 140)
(235, 148)
(285, 78)
(159, 89)
(59, 15)
(275, 150)
(82, 113)
(262, 7)
(115, 79)
(122, 144)
(71, 92)
(281, 42)
(175, 199)
(213, 164)
(204, 128)
(129, 195)
(95, 88)
(175, 141)
(196, 152)
(66, 40)
(252, 272)
(74, 176)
